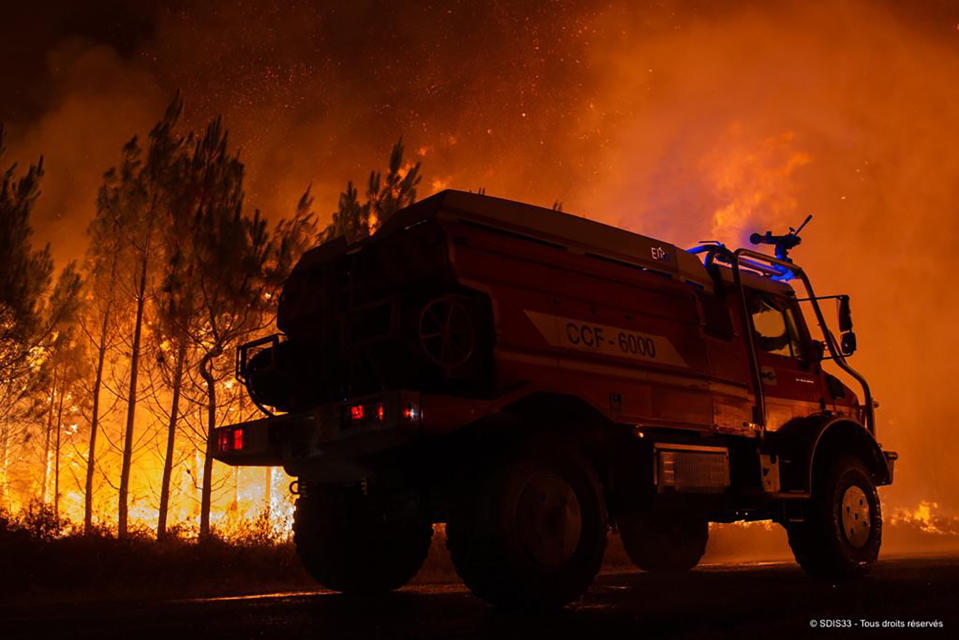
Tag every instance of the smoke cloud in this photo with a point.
(748, 121)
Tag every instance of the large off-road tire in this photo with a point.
(664, 542)
(842, 532)
(360, 544)
(531, 532)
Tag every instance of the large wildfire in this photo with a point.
(681, 122)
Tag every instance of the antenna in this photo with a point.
(804, 223)
(783, 243)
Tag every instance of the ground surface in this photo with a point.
(718, 600)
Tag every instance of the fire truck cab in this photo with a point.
(532, 378)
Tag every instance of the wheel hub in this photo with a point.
(856, 517)
(549, 520)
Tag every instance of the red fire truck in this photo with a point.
(533, 378)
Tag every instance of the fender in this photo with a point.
(803, 443)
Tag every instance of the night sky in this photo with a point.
(250, 52)
(315, 92)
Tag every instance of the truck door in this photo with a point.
(792, 384)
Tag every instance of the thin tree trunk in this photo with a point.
(46, 444)
(196, 466)
(122, 513)
(268, 493)
(4, 464)
(206, 372)
(56, 464)
(235, 505)
(170, 440)
(94, 425)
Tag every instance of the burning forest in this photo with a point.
(165, 166)
(136, 341)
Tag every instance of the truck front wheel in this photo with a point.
(842, 532)
(357, 543)
(664, 542)
(532, 532)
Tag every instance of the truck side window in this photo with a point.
(775, 331)
(792, 326)
(716, 321)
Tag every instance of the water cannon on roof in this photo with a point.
(783, 243)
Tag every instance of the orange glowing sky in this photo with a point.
(687, 121)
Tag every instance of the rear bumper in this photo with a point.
(335, 441)
(339, 434)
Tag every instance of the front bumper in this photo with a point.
(891, 457)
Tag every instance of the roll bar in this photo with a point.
(769, 265)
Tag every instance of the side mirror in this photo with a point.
(848, 343)
(845, 316)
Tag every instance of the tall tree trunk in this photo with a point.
(132, 399)
(95, 425)
(235, 503)
(4, 464)
(56, 464)
(195, 473)
(268, 493)
(206, 372)
(46, 443)
(171, 440)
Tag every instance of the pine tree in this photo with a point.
(26, 272)
(387, 195)
(227, 253)
(175, 314)
(133, 211)
(354, 220)
(28, 318)
(149, 204)
(65, 360)
(99, 322)
(132, 208)
(176, 300)
(292, 237)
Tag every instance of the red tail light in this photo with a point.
(356, 412)
(230, 440)
(379, 412)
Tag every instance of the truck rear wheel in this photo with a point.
(355, 543)
(532, 533)
(664, 542)
(842, 533)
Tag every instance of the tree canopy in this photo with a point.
(385, 195)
